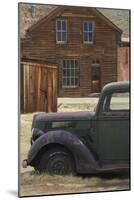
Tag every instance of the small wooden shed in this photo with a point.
(38, 86)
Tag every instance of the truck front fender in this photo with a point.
(84, 159)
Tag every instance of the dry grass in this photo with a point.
(32, 183)
(35, 184)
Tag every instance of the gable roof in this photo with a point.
(29, 14)
(56, 10)
(60, 9)
(119, 17)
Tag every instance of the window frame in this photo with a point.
(72, 76)
(88, 42)
(107, 111)
(114, 109)
(61, 31)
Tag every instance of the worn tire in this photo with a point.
(56, 161)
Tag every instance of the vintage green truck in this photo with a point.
(86, 141)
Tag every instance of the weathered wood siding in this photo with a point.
(123, 63)
(42, 45)
(38, 87)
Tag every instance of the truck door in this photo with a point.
(113, 128)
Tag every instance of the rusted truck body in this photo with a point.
(86, 141)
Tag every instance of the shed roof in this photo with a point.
(37, 61)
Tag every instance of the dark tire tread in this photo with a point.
(56, 161)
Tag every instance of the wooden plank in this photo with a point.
(45, 78)
(49, 90)
(38, 80)
(78, 15)
(42, 90)
(54, 90)
(30, 102)
(26, 86)
(21, 76)
(24, 70)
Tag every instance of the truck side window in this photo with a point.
(119, 101)
(116, 104)
(106, 103)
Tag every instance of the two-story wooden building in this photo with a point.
(82, 41)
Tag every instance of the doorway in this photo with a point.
(96, 76)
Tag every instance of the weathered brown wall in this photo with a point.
(123, 63)
(42, 45)
(38, 87)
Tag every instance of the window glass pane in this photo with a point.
(72, 81)
(64, 72)
(90, 36)
(72, 72)
(76, 81)
(68, 72)
(58, 36)
(68, 82)
(64, 25)
(64, 63)
(93, 61)
(86, 36)
(67, 63)
(76, 64)
(64, 81)
(77, 71)
(58, 25)
(64, 36)
(119, 101)
(98, 61)
(90, 26)
(72, 64)
(85, 26)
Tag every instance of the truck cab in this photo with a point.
(86, 141)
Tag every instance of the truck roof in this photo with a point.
(122, 85)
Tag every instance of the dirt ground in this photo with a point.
(32, 183)
(35, 184)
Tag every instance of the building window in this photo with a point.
(88, 32)
(61, 31)
(95, 62)
(70, 73)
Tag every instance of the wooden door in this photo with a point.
(96, 79)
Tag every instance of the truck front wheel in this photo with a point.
(56, 161)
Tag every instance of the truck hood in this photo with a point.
(59, 116)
